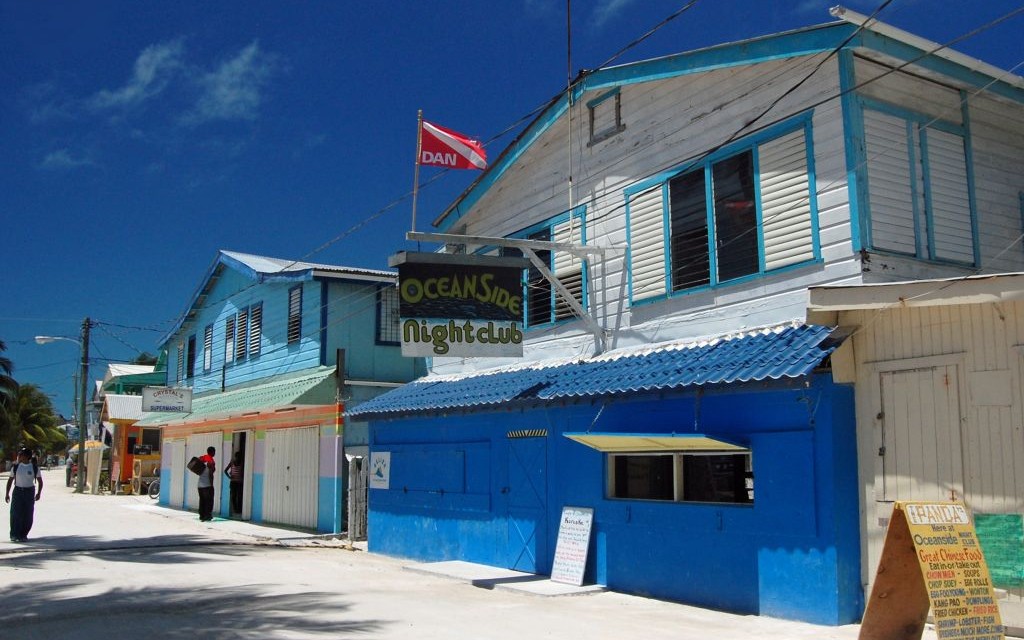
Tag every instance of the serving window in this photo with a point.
(704, 476)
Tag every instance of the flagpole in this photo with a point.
(416, 174)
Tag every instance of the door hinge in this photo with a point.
(881, 451)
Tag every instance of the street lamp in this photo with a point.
(84, 345)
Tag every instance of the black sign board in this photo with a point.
(432, 285)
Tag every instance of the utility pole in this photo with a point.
(82, 421)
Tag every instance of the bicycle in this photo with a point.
(154, 489)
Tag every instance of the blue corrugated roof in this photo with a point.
(769, 354)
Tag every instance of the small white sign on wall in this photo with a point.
(380, 470)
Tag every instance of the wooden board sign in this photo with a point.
(573, 543)
(931, 558)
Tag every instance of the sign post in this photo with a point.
(931, 558)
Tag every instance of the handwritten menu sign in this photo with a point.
(573, 543)
(931, 558)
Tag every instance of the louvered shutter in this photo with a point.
(647, 242)
(241, 334)
(229, 339)
(890, 181)
(255, 329)
(568, 268)
(208, 348)
(948, 197)
(294, 315)
(785, 201)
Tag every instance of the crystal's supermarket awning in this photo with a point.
(313, 388)
(791, 351)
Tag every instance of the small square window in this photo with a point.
(708, 476)
(605, 117)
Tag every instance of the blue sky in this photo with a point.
(140, 137)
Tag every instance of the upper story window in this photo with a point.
(241, 334)
(745, 210)
(605, 116)
(180, 369)
(919, 201)
(294, 314)
(542, 304)
(208, 348)
(711, 476)
(255, 329)
(190, 358)
(389, 330)
(229, 339)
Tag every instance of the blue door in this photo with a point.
(527, 503)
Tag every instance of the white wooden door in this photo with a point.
(290, 479)
(176, 479)
(196, 446)
(920, 453)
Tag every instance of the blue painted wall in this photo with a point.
(794, 553)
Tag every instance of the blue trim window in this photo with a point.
(920, 199)
(255, 329)
(190, 358)
(542, 305)
(229, 339)
(208, 348)
(389, 330)
(241, 334)
(741, 212)
(295, 314)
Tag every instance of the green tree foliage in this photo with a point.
(8, 385)
(31, 421)
(145, 358)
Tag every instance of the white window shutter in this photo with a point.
(647, 242)
(785, 201)
(948, 196)
(568, 268)
(890, 179)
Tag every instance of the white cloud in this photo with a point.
(607, 10)
(152, 72)
(62, 159)
(233, 91)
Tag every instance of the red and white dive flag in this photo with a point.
(445, 148)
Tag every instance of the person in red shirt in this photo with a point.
(206, 485)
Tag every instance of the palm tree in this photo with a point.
(8, 385)
(32, 422)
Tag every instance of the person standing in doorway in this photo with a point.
(234, 472)
(24, 477)
(206, 485)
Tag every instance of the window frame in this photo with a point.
(294, 321)
(659, 185)
(384, 317)
(190, 357)
(917, 126)
(555, 302)
(208, 348)
(596, 107)
(255, 330)
(680, 467)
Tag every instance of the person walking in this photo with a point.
(24, 477)
(206, 485)
(235, 474)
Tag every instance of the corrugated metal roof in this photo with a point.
(122, 407)
(307, 389)
(790, 351)
(268, 265)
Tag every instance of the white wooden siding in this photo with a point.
(967, 346)
(647, 242)
(950, 202)
(785, 201)
(291, 477)
(890, 180)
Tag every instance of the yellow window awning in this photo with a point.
(652, 442)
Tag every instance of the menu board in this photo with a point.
(573, 543)
(931, 558)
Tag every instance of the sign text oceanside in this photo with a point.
(458, 305)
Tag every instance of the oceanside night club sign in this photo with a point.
(460, 305)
